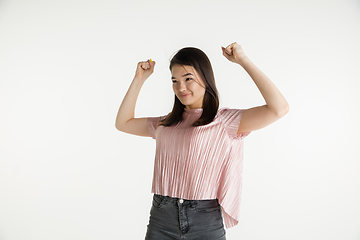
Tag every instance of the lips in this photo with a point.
(185, 95)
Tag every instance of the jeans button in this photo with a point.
(181, 201)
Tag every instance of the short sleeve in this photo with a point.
(152, 123)
(230, 119)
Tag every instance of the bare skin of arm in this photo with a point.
(276, 105)
(125, 119)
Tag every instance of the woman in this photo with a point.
(199, 148)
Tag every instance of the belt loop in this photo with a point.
(193, 203)
(166, 199)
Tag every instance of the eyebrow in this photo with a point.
(187, 74)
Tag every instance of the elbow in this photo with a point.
(121, 125)
(283, 110)
(118, 127)
(280, 111)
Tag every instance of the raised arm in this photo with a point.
(125, 120)
(276, 105)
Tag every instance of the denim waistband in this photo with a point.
(188, 202)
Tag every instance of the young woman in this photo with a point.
(198, 161)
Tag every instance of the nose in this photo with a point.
(182, 86)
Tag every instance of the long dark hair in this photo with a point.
(196, 58)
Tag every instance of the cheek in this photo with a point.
(194, 86)
(199, 89)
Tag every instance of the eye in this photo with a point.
(174, 81)
(188, 78)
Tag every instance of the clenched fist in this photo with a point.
(144, 69)
(234, 53)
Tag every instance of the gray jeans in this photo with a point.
(175, 218)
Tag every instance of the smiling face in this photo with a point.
(188, 86)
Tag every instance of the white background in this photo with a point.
(65, 66)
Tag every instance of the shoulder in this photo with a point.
(230, 119)
(154, 121)
(161, 117)
(226, 112)
(230, 116)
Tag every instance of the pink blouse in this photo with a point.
(204, 162)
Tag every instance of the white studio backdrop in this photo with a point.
(65, 66)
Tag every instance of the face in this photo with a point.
(188, 86)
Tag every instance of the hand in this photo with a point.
(144, 70)
(234, 53)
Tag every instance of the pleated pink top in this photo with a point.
(204, 162)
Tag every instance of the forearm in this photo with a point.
(275, 101)
(127, 107)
